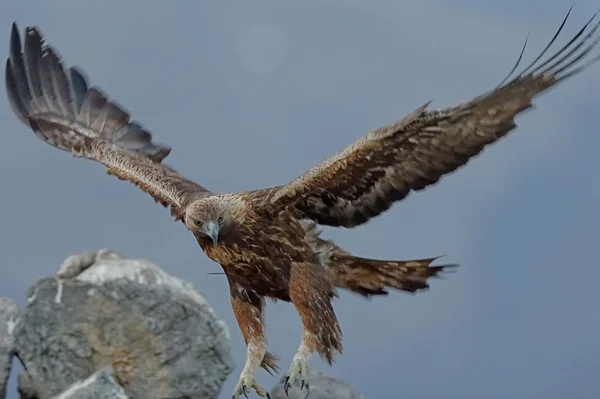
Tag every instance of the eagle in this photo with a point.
(268, 241)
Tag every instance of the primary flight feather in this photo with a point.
(267, 240)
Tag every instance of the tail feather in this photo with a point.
(370, 277)
(42, 93)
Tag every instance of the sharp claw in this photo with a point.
(286, 385)
(245, 386)
(307, 391)
(298, 371)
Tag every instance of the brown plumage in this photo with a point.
(267, 240)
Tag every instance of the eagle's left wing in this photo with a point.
(366, 178)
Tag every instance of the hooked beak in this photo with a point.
(212, 230)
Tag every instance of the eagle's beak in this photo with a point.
(212, 230)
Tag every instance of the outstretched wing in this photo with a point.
(67, 114)
(387, 164)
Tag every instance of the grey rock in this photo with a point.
(159, 334)
(100, 385)
(9, 314)
(74, 265)
(321, 387)
(26, 387)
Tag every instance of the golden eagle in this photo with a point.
(267, 240)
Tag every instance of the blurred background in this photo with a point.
(251, 94)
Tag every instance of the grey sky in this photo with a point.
(250, 94)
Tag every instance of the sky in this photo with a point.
(251, 94)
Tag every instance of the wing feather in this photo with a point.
(66, 113)
(389, 163)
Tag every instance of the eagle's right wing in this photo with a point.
(67, 114)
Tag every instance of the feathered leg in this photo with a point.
(311, 293)
(248, 310)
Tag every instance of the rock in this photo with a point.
(26, 388)
(100, 385)
(75, 264)
(9, 313)
(321, 387)
(157, 332)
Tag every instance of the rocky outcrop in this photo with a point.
(321, 387)
(106, 322)
(26, 387)
(107, 326)
(9, 313)
(100, 385)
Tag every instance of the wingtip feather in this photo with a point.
(38, 85)
(15, 40)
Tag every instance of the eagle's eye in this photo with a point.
(198, 223)
(220, 219)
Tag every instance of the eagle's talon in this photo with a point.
(245, 386)
(307, 391)
(298, 371)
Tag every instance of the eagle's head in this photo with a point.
(212, 217)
